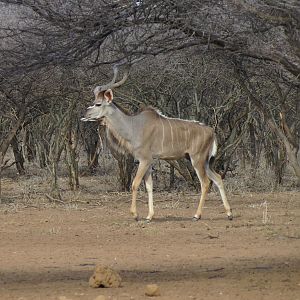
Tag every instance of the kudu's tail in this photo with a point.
(209, 166)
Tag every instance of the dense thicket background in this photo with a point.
(233, 64)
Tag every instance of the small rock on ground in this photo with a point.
(104, 277)
(152, 290)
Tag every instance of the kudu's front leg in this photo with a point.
(142, 169)
(149, 188)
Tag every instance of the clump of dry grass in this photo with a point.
(260, 180)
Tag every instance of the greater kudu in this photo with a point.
(149, 135)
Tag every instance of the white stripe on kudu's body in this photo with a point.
(149, 135)
(163, 135)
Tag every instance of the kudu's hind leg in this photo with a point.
(149, 188)
(217, 179)
(204, 181)
(142, 169)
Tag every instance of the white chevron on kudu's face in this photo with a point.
(149, 135)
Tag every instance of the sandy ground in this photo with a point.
(50, 251)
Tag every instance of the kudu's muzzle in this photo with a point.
(87, 116)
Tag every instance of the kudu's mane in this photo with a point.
(148, 108)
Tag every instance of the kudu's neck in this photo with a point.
(121, 123)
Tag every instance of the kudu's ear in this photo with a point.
(108, 95)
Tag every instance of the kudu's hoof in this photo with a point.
(196, 218)
(230, 218)
(148, 221)
(136, 218)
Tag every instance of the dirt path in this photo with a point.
(46, 253)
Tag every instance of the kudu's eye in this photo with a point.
(98, 104)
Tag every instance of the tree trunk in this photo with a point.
(252, 146)
(172, 177)
(292, 156)
(1, 166)
(30, 147)
(126, 165)
(55, 191)
(19, 159)
(90, 138)
(72, 160)
(186, 170)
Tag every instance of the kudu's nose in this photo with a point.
(86, 117)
